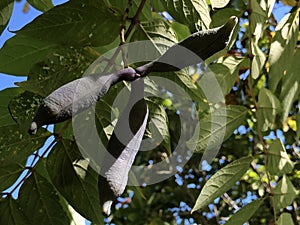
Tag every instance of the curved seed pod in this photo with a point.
(76, 96)
(198, 46)
(123, 147)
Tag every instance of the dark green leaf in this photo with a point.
(222, 181)
(6, 8)
(221, 16)
(20, 53)
(245, 213)
(77, 23)
(75, 180)
(278, 162)
(42, 5)
(11, 213)
(39, 195)
(6, 96)
(15, 146)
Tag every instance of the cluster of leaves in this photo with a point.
(255, 175)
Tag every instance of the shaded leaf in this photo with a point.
(245, 213)
(37, 193)
(20, 53)
(285, 219)
(15, 146)
(282, 47)
(284, 193)
(217, 127)
(222, 181)
(6, 96)
(42, 5)
(74, 179)
(6, 8)
(221, 16)
(81, 23)
(278, 162)
(269, 107)
(11, 213)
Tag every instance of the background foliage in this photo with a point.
(255, 176)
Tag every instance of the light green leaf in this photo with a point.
(193, 13)
(6, 96)
(224, 122)
(290, 88)
(75, 23)
(219, 3)
(37, 193)
(284, 193)
(222, 181)
(20, 53)
(278, 162)
(269, 107)
(234, 63)
(42, 5)
(15, 146)
(75, 180)
(282, 47)
(285, 219)
(11, 214)
(245, 213)
(6, 8)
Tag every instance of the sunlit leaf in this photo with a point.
(284, 193)
(219, 3)
(285, 219)
(245, 213)
(222, 181)
(278, 162)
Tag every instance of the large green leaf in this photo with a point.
(285, 219)
(269, 107)
(282, 47)
(74, 179)
(20, 53)
(284, 193)
(245, 213)
(193, 13)
(278, 161)
(222, 181)
(15, 146)
(75, 23)
(220, 124)
(6, 8)
(220, 17)
(6, 96)
(290, 88)
(42, 5)
(37, 193)
(11, 213)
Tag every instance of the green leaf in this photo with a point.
(6, 96)
(269, 107)
(24, 107)
(181, 30)
(225, 78)
(75, 23)
(11, 213)
(285, 219)
(193, 13)
(221, 125)
(245, 213)
(284, 193)
(15, 146)
(6, 8)
(37, 193)
(290, 88)
(42, 5)
(235, 63)
(20, 53)
(278, 162)
(75, 180)
(221, 16)
(282, 47)
(219, 3)
(222, 181)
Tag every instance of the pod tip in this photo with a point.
(33, 128)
